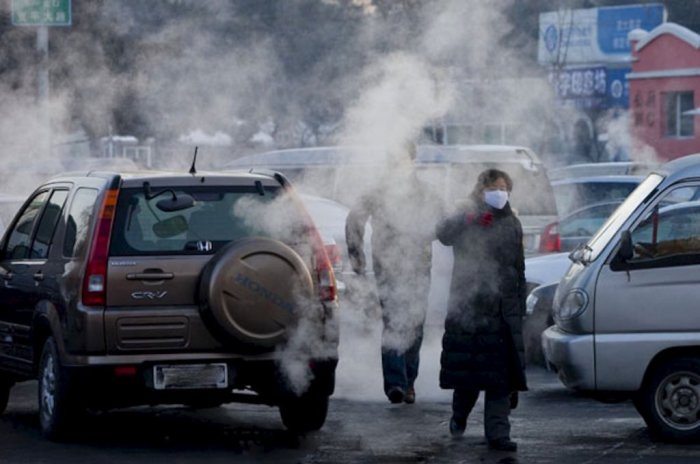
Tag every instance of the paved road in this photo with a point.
(552, 425)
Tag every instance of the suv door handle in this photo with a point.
(38, 276)
(150, 276)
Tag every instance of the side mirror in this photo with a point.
(626, 250)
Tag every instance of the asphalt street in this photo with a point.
(551, 425)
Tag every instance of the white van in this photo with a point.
(627, 311)
(334, 172)
(325, 171)
(453, 169)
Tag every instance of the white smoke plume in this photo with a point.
(440, 60)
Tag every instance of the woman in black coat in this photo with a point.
(483, 343)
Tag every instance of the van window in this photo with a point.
(612, 226)
(532, 192)
(316, 180)
(671, 228)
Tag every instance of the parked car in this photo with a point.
(576, 192)
(542, 275)
(576, 227)
(538, 317)
(625, 312)
(331, 172)
(612, 168)
(151, 288)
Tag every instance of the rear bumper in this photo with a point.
(261, 382)
(572, 356)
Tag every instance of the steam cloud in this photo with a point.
(442, 60)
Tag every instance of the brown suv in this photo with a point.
(152, 288)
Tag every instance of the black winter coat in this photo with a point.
(483, 341)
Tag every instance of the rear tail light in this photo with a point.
(125, 371)
(325, 277)
(550, 241)
(324, 269)
(333, 254)
(95, 280)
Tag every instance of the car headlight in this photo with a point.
(573, 304)
(530, 303)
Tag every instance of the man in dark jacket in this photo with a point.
(403, 215)
(483, 344)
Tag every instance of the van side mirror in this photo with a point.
(626, 250)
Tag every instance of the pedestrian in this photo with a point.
(482, 347)
(403, 213)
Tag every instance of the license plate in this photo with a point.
(190, 376)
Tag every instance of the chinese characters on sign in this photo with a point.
(587, 86)
(41, 12)
(620, 42)
(594, 87)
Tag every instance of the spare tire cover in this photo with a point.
(250, 290)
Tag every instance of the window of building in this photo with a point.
(677, 123)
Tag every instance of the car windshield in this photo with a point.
(585, 222)
(218, 216)
(612, 226)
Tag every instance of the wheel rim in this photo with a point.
(678, 400)
(48, 388)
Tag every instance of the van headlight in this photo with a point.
(573, 304)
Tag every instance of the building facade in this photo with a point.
(665, 90)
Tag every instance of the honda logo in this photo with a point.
(204, 245)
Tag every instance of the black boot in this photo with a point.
(503, 444)
(457, 426)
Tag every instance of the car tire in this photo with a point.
(5, 387)
(669, 401)
(250, 290)
(59, 410)
(305, 413)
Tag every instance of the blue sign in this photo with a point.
(593, 87)
(618, 93)
(593, 35)
(614, 23)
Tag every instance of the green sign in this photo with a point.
(41, 12)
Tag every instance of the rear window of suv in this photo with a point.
(219, 215)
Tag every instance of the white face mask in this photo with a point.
(496, 198)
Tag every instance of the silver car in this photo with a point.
(626, 311)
